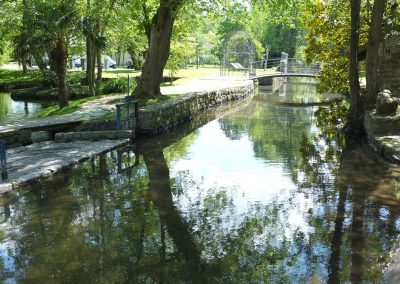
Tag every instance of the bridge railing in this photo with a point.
(290, 65)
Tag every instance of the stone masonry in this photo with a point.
(158, 118)
(390, 67)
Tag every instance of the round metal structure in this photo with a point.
(239, 52)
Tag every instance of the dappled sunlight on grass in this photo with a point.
(72, 107)
(13, 76)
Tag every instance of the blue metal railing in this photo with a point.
(3, 160)
(128, 102)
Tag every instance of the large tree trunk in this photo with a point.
(99, 71)
(24, 65)
(374, 38)
(355, 124)
(98, 58)
(90, 65)
(158, 52)
(61, 71)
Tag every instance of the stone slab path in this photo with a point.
(41, 160)
(388, 146)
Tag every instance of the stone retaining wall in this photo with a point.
(16, 138)
(93, 135)
(390, 65)
(376, 125)
(158, 118)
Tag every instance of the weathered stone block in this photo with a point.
(385, 104)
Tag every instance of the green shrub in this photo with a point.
(118, 85)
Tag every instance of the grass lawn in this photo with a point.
(185, 76)
(17, 76)
(76, 104)
(73, 106)
(74, 76)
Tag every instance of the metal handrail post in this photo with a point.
(118, 125)
(3, 160)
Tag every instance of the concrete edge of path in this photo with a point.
(47, 172)
(392, 273)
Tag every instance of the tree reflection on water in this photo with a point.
(138, 214)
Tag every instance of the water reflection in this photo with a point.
(293, 91)
(11, 110)
(259, 195)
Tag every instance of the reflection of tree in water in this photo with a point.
(97, 225)
(343, 179)
(275, 131)
(348, 226)
(5, 106)
(110, 223)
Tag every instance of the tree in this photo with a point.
(95, 24)
(53, 24)
(332, 39)
(356, 111)
(375, 37)
(159, 32)
(280, 24)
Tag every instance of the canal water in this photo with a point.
(254, 192)
(11, 110)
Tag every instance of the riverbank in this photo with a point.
(383, 134)
(392, 273)
(39, 160)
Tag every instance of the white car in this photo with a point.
(111, 62)
(77, 61)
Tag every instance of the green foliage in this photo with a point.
(117, 85)
(333, 116)
(182, 49)
(328, 37)
(5, 52)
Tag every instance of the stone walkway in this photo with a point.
(41, 160)
(388, 146)
(204, 84)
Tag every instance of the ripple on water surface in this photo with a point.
(258, 195)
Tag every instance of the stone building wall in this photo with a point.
(390, 65)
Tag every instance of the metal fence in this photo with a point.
(126, 113)
(290, 65)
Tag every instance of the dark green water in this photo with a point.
(11, 110)
(250, 193)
